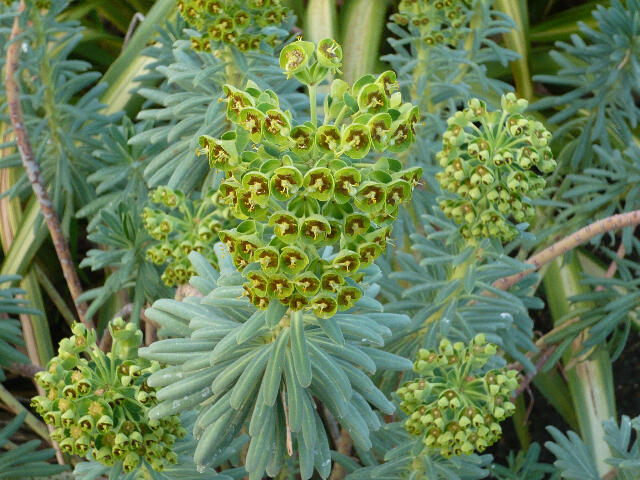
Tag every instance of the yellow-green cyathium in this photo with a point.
(233, 22)
(456, 404)
(183, 226)
(434, 22)
(301, 186)
(97, 402)
(493, 167)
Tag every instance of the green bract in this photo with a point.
(189, 225)
(456, 405)
(300, 188)
(98, 404)
(493, 164)
(233, 22)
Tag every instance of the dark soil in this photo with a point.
(626, 374)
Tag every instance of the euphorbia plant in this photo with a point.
(319, 263)
(304, 186)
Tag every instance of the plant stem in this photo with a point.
(340, 117)
(54, 296)
(33, 171)
(362, 23)
(313, 104)
(615, 222)
(590, 381)
(542, 359)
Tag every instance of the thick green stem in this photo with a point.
(121, 75)
(517, 40)
(362, 27)
(320, 20)
(590, 380)
(313, 104)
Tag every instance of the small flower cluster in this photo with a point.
(300, 187)
(193, 226)
(98, 405)
(433, 21)
(233, 22)
(493, 163)
(453, 405)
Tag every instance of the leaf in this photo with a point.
(299, 350)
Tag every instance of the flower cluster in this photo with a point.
(192, 227)
(98, 405)
(453, 405)
(300, 186)
(433, 21)
(236, 22)
(493, 164)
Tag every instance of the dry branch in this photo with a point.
(33, 171)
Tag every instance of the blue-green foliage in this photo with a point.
(446, 288)
(25, 460)
(62, 111)
(575, 461)
(235, 364)
(524, 465)
(119, 229)
(598, 72)
(10, 331)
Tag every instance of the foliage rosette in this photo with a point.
(241, 23)
(456, 404)
(493, 167)
(181, 225)
(300, 186)
(98, 405)
(434, 22)
(268, 370)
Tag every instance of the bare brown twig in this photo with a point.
(615, 222)
(33, 171)
(26, 370)
(528, 378)
(613, 266)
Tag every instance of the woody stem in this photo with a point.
(574, 240)
(33, 171)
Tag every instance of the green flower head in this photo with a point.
(493, 166)
(307, 184)
(96, 409)
(456, 404)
